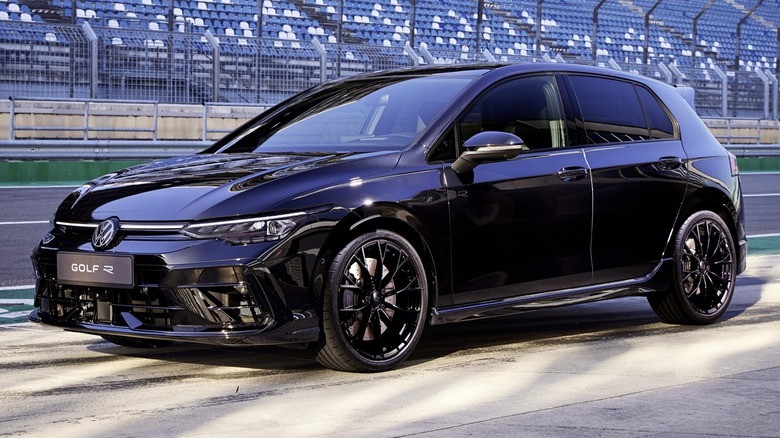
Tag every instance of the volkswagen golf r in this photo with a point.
(354, 214)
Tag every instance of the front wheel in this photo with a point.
(374, 305)
(704, 272)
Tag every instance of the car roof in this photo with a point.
(501, 69)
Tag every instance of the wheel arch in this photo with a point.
(380, 216)
(710, 199)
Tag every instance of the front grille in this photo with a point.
(207, 299)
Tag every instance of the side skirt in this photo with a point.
(657, 280)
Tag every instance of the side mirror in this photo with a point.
(488, 146)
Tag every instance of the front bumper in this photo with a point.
(197, 291)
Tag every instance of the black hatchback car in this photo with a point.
(354, 214)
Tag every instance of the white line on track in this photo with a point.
(16, 301)
(760, 195)
(25, 286)
(66, 186)
(24, 223)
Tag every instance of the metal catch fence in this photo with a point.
(186, 66)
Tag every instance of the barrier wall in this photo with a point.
(109, 120)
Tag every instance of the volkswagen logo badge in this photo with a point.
(105, 233)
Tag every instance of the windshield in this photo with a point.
(356, 115)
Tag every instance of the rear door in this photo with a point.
(633, 149)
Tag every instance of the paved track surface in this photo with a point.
(607, 369)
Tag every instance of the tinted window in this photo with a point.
(610, 109)
(528, 107)
(376, 113)
(661, 125)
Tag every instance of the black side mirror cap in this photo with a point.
(488, 146)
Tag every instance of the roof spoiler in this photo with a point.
(687, 93)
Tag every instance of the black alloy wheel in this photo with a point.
(704, 272)
(375, 304)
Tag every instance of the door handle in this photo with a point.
(570, 174)
(669, 163)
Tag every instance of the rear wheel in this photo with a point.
(704, 272)
(374, 305)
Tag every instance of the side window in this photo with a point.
(610, 109)
(445, 149)
(661, 126)
(529, 107)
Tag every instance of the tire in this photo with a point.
(705, 262)
(375, 304)
(136, 343)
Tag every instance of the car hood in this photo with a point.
(215, 185)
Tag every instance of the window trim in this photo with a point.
(454, 130)
(581, 123)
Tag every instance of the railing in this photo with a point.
(100, 129)
(112, 120)
(744, 132)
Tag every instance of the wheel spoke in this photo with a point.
(708, 238)
(718, 279)
(376, 327)
(365, 273)
(407, 288)
(408, 315)
(354, 309)
(392, 334)
(400, 262)
(360, 335)
(696, 235)
(695, 288)
(379, 269)
(688, 274)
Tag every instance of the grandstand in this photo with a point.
(259, 52)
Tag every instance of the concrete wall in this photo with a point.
(136, 121)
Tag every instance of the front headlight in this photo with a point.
(243, 231)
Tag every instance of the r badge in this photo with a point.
(105, 234)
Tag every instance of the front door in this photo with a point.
(523, 225)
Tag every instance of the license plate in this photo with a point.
(105, 270)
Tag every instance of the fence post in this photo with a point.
(773, 79)
(411, 54)
(666, 72)
(323, 58)
(205, 121)
(156, 118)
(11, 118)
(765, 80)
(646, 42)
(214, 65)
(86, 120)
(595, 37)
(539, 4)
(677, 73)
(724, 95)
(93, 59)
(695, 36)
(426, 54)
